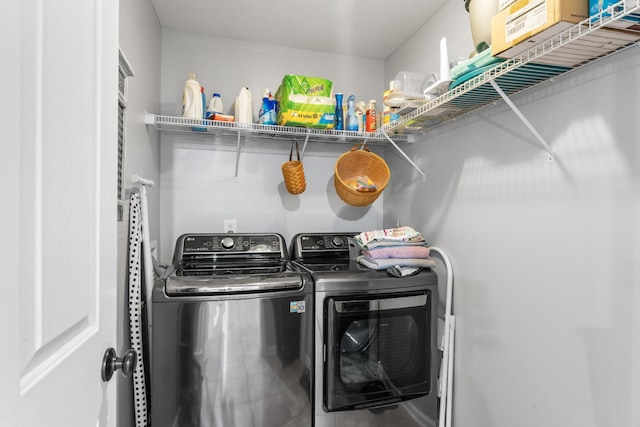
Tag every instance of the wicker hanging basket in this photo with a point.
(293, 172)
(354, 165)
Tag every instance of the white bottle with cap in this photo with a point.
(244, 107)
(192, 98)
(215, 106)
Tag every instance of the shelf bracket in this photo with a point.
(237, 155)
(404, 155)
(524, 120)
(304, 146)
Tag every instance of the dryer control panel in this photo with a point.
(335, 246)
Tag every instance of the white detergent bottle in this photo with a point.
(244, 106)
(215, 106)
(192, 98)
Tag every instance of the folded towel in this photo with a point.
(416, 241)
(383, 264)
(390, 234)
(397, 252)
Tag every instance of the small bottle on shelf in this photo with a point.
(371, 116)
(339, 113)
(215, 106)
(352, 120)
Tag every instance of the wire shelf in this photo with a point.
(592, 39)
(169, 124)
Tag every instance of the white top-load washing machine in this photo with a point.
(375, 338)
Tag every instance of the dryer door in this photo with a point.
(377, 349)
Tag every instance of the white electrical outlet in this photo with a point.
(230, 226)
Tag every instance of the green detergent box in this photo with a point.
(306, 102)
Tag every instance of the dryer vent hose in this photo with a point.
(446, 376)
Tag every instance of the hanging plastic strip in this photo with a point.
(136, 311)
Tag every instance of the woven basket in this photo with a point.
(293, 173)
(357, 163)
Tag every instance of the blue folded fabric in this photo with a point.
(384, 263)
(399, 271)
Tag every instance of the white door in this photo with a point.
(58, 235)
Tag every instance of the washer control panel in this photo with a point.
(249, 244)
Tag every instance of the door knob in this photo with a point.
(111, 363)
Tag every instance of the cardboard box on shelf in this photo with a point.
(503, 4)
(528, 22)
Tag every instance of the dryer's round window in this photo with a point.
(379, 349)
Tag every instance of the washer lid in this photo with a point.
(233, 284)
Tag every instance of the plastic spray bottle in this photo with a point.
(352, 120)
(267, 114)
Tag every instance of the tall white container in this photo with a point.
(244, 107)
(480, 13)
(192, 98)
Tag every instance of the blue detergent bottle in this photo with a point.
(352, 120)
(339, 113)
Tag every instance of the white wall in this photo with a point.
(199, 188)
(546, 287)
(547, 294)
(140, 41)
(421, 53)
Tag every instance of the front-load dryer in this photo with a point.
(375, 338)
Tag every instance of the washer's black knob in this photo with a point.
(337, 241)
(228, 243)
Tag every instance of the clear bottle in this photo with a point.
(352, 120)
(192, 98)
(339, 113)
(360, 108)
(215, 106)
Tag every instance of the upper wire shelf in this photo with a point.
(171, 124)
(592, 39)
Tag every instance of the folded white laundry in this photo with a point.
(390, 235)
(401, 251)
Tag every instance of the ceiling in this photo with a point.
(368, 28)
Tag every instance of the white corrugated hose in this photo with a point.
(446, 376)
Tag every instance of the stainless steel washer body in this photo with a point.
(375, 339)
(232, 335)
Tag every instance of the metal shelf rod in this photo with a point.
(404, 155)
(524, 120)
(237, 156)
(304, 146)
